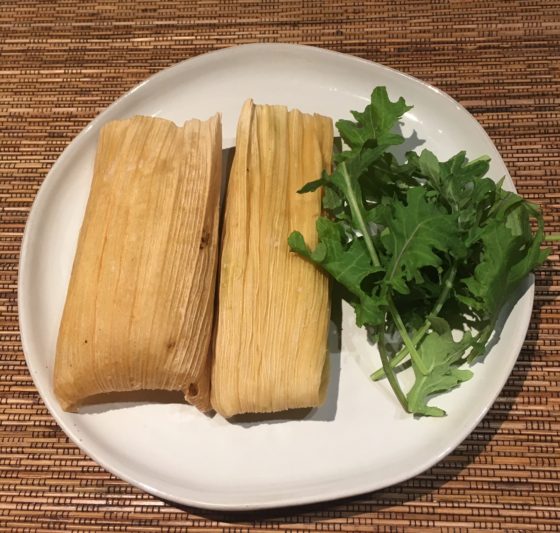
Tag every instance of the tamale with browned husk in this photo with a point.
(273, 311)
(139, 307)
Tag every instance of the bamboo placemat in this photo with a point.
(62, 62)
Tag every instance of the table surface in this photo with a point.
(63, 62)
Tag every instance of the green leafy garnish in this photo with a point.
(429, 251)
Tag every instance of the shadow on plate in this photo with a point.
(109, 401)
(410, 144)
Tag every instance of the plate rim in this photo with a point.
(285, 501)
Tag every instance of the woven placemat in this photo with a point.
(62, 62)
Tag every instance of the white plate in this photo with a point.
(361, 440)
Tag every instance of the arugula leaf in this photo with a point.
(385, 179)
(443, 357)
(509, 253)
(416, 231)
(375, 124)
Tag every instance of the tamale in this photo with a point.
(273, 308)
(139, 308)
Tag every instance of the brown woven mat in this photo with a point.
(62, 62)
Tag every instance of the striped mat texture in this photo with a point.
(62, 62)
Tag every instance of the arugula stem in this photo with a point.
(357, 214)
(410, 346)
(448, 282)
(392, 378)
(402, 353)
(419, 335)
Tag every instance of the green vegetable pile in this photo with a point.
(423, 248)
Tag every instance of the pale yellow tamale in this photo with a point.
(273, 310)
(139, 307)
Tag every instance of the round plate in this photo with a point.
(361, 439)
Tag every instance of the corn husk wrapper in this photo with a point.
(271, 337)
(139, 308)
